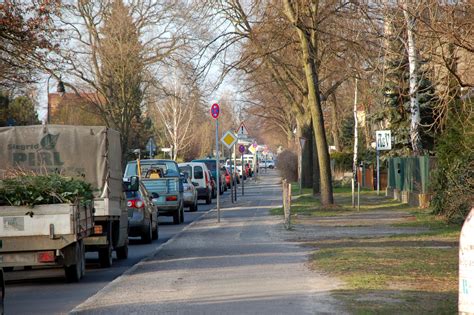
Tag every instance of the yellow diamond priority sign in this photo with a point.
(229, 139)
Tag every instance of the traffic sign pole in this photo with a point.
(235, 171)
(378, 171)
(215, 110)
(218, 172)
(243, 168)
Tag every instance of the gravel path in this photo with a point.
(242, 265)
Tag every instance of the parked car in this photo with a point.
(199, 173)
(211, 165)
(2, 291)
(266, 164)
(238, 168)
(227, 173)
(142, 214)
(213, 185)
(190, 195)
(161, 177)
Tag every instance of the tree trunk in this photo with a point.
(316, 177)
(314, 103)
(335, 124)
(414, 97)
(307, 156)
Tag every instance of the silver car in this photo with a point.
(190, 195)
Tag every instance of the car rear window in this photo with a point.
(168, 168)
(186, 169)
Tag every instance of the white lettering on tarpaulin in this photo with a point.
(466, 266)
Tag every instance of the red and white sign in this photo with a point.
(215, 110)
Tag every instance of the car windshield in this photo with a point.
(168, 168)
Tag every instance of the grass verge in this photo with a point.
(415, 272)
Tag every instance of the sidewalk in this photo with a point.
(239, 266)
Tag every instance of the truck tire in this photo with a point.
(176, 217)
(122, 252)
(75, 272)
(147, 234)
(181, 216)
(105, 256)
(154, 234)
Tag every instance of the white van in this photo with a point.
(198, 173)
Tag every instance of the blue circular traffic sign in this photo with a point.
(215, 110)
(241, 148)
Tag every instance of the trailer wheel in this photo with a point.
(122, 252)
(105, 256)
(75, 272)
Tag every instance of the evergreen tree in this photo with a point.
(395, 110)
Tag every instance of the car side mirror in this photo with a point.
(154, 195)
(195, 184)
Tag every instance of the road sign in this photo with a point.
(302, 142)
(241, 148)
(252, 149)
(215, 110)
(383, 139)
(151, 145)
(229, 139)
(242, 131)
(254, 144)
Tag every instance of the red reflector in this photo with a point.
(98, 229)
(171, 198)
(46, 257)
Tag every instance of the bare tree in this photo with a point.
(176, 103)
(113, 51)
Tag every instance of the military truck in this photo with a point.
(92, 153)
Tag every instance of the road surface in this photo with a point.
(239, 266)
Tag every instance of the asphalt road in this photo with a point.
(241, 265)
(45, 291)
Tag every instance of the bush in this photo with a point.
(287, 164)
(454, 178)
(342, 160)
(30, 190)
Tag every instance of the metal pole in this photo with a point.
(231, 177)
(218, 172)
(242, 173)
(235, 171)
(378, 172)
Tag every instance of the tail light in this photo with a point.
(207, 179)
(135, 203)
(46, 257)
(171, 198)
(98, 229)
